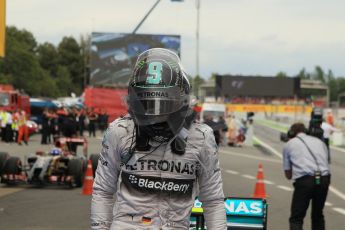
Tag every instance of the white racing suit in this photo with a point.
(156, 189)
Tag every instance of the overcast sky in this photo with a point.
(248, 37)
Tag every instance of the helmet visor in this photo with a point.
(153, 101)
(155, 106)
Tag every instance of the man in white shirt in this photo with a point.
(305, 161)
(328, 129)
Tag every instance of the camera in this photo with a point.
(285, 137)
(315, 123)
(314, 128)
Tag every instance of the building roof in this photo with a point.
(312, 84)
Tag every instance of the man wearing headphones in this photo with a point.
(305, 161)
(156, 160)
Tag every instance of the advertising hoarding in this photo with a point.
(253, 86)
(113, 55)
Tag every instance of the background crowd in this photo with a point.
(14, 126)
(229, 131)
(65, 121)
(72, 122)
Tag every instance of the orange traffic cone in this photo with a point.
(260, 191)
(88, 180)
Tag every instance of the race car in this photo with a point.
(59, 166)
(241, 214)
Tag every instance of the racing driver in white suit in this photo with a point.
(156, 160)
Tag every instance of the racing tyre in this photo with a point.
(94, 162)
(13, 166)
(3, 158)
(75, 169)
(84, 161)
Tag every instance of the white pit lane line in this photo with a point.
(269, 182)
(231, 172)
(337, 192)
(339, 210)
(285, 188)
(328, 204)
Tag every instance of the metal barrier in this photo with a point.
(241, 214)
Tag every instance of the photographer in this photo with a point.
(305, 161)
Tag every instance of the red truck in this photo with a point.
(11, 99)
(112, 100)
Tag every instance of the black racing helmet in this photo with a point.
(158, 90)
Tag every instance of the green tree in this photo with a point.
(340, 81)
(303, 74)
(48, 58)
(5, 79)
(46, 86)
(330, 76)
(319, 74)
(21, 67)
(213, 76)
(23, 37)
(197, 81)
(18, 41)
(85, 51)
(63, 81)
(333, 89)
(70, 57)
(20, 63)
(281, 74)
(332, 85)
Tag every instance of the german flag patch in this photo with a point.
(146, 220)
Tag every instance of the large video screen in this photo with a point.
(250, 86)
(113, 55)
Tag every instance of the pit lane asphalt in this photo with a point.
(61, 208)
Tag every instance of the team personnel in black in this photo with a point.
(305, 160)
(45, 126)
(92, 116)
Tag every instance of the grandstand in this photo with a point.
(264, 90)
